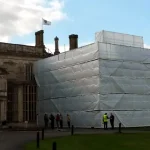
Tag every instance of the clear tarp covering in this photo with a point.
(96, 79)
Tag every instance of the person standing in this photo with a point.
(61, 121)
(112, 118)
(105, 121)
(68, 120)
(52, 118)
(46, 120)
(57, 120)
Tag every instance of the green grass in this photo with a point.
(136, 141)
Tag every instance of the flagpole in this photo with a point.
(42, 23)
(64, 47)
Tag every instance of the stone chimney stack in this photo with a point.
(39, 40)
(73, 41)
(56, 39)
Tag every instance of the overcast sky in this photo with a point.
(21, 18)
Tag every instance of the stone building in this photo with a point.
(17, 83)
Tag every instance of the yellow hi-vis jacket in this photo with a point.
(68, 118)
(105, 118)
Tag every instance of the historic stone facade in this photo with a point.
(3, 96)
(17, 84)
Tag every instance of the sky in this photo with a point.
(20, 19)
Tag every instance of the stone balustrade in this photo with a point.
(20, 49)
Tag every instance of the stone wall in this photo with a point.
(15, 67)
(13, 61)
(21, 50)
(3, 97)
(3, 86)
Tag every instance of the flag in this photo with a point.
(45, 22)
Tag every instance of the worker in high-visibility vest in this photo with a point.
(105, 121)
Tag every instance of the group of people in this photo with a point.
(105, 121)
(59, 121)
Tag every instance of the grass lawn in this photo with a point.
(136, 141)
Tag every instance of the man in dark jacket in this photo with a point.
(46, 120)
(61, 121)
(52, 119)
(57, 120)
(112, 118)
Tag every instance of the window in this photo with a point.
(29, 96)
(29, 72)
(12, 103)
(29, 103)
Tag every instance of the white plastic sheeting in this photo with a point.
(119, 38)
(95, 79)
(69, 83)
(125, 83)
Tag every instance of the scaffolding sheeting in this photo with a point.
(119, 38)
(95, 79)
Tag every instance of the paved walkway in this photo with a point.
(14, 140)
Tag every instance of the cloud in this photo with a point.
(146, 46)
(21, 17)
(62, 48)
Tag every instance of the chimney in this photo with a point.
(56, 39)
(39, 42)
(73, 41)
